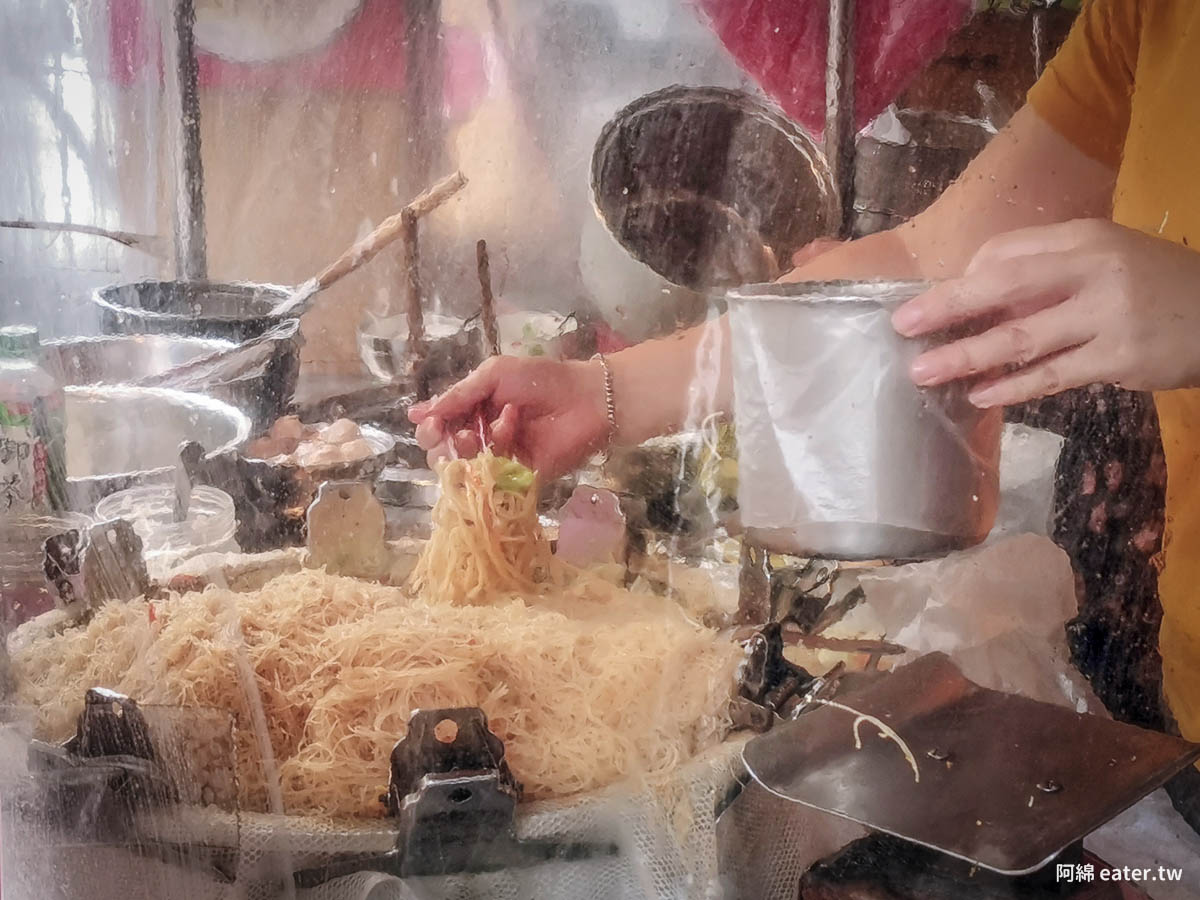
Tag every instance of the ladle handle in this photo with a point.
(388, 231)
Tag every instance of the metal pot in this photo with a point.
(207, 309)
(271, 497)
(840, 454)
(262, 390)
(122, 359)
(121, 436)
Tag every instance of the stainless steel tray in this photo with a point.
(1005, 782)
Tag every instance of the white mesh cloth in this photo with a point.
(666, 838)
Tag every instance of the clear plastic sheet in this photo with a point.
(998, 611)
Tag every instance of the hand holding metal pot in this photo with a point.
(1079, 303)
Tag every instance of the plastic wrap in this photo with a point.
(1028, 463)
(998, 611)
(840, 455)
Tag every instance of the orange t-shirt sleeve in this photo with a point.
(1085, 92)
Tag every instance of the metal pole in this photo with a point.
(423, 87)
(839, 107)
(182, 86)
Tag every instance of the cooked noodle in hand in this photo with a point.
(486, 540)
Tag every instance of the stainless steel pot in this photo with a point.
(262, 387)
(122, 359)
(207, 309)
(840, 454)
(121, 436)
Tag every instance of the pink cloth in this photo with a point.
(782, 45)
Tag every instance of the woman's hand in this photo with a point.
(550, 415)
(1066, 305)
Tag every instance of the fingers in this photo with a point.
(462, 399)
(1070, 369)
(1008, 289)
(430, 432)
(1062, 237)
(1016, 343)
(467, 443)
(503, 431)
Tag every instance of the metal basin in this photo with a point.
(120, 436)
(271, 497)
(122, 359)
(208, 309)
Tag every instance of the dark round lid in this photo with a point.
(710, 187)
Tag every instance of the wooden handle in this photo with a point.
(487, 308)
(389, 230)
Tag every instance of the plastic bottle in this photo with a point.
(32, 429)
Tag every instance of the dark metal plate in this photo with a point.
(1005, 782)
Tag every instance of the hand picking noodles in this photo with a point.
(585, 682)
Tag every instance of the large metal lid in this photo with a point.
(710, 187)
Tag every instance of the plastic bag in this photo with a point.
(998, 611)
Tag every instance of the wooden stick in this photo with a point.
(487, 307)
(435, 196)
(412, 286)
(389, 229)
(127, 238)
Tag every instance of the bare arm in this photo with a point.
(552, 412)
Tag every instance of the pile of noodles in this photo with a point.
(585, 682)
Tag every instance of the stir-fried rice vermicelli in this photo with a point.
(585, 682)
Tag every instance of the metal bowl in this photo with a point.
(271, 497)
(123, 358)
(208, 309)
(121, 436)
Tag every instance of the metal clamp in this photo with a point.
(455, 799)
(93, 567)
(91, 786)
(95, 788)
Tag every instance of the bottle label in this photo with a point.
(24, 473)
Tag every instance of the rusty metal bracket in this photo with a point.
(771, 687)
(92, 567)
(454, 798)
